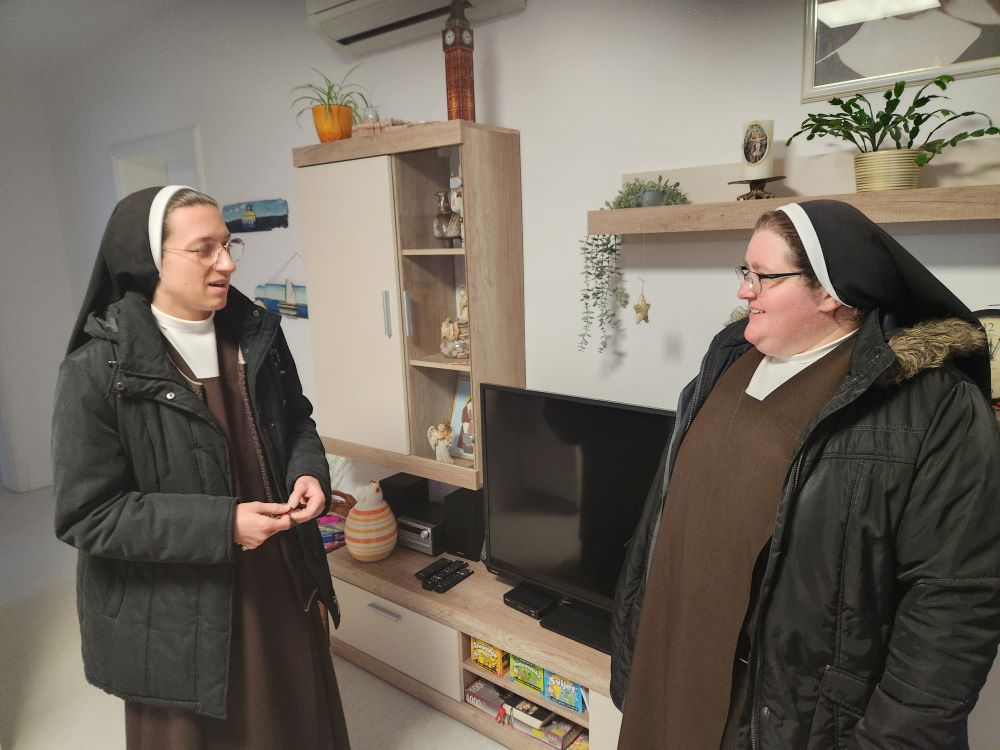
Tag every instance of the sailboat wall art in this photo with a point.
(256, 216)
(286, 298)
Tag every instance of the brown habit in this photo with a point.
(719, 515)
(282, 688)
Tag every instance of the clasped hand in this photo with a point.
(257, 521)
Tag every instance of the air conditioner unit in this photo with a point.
(360, 27)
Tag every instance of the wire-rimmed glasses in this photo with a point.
(208, 252)
(745, 275)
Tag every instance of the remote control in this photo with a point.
(451, 580)
(435, 567)
(452, 567)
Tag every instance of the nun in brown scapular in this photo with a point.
(188, 474)
(818, 563)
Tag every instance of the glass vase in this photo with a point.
(447, 223)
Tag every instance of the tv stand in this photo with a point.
(583, 623)
(419, 641)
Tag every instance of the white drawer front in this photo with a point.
(415, 645)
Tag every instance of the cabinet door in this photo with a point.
(349, 241)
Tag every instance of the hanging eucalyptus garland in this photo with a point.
(603, 290)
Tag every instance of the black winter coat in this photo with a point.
(144, 490)
(879, 608)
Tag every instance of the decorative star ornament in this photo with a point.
(641, 310)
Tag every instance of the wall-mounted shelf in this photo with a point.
(973, 208)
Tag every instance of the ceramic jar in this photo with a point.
(370, 530)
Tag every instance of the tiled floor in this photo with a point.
(45, 703)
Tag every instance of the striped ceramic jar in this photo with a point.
(370, 531)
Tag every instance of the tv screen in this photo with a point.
(565, 482)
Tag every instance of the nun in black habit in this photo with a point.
(188, 474)
(818, 564)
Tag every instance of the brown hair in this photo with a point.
(185, 197)
(778, 222)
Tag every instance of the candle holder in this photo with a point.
(757, 191)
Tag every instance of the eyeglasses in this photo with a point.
(208, 252)
(755, 279)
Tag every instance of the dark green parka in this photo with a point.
(143, 484)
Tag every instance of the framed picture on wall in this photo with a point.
(463, 431)
(855, 46)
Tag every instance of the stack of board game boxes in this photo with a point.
(507, 707)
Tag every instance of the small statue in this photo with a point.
(439, 436)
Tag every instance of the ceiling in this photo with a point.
(36, 34)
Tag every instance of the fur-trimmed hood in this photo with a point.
(931, 344)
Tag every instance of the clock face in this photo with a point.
(466, 37)
(991, 322)
(449, 37)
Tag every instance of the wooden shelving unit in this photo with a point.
(973, 208)
(383, 285)
(475, 608)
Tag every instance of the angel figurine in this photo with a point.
(439, 436)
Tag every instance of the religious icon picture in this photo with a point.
(755, 143)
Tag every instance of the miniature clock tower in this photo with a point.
(457, 42)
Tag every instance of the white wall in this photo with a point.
(35, 311)
(597, 88)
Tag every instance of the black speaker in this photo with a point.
(464, 529)
(406, 494)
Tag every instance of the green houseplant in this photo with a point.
(603, 283)
(602, 287)
(643, 193)
(893, 127)
(335, 106)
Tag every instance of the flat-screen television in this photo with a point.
(565, 481)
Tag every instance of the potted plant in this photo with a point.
(892, 135)
(602, 285)
(644, 193)
(335, 106)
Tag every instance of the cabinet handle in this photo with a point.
(385, 314)
(387, 614)
(407, 315)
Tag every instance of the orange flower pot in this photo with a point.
(332, 122)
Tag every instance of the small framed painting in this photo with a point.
(463, 430)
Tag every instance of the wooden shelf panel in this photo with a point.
(396, 141)
(515, 687)
(979, 203)
(460, 474)
(475, 607)
(441, 362)
(434, 251)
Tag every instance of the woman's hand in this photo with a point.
(256, 522)
(306, 501)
